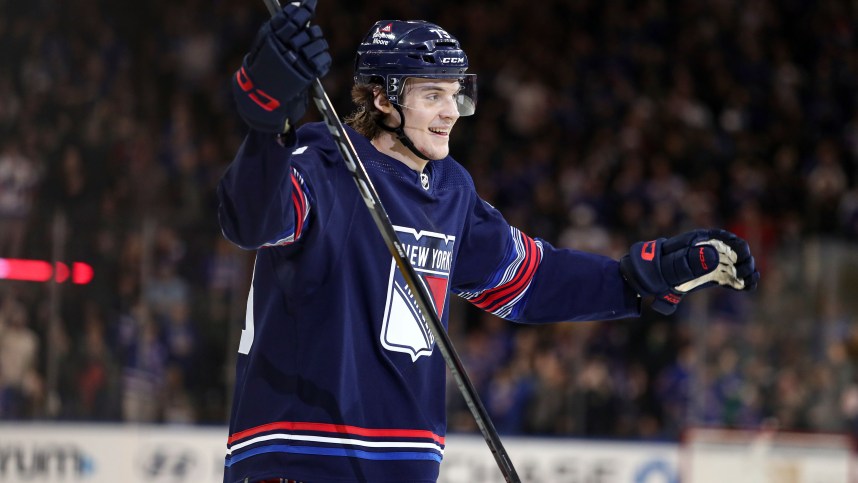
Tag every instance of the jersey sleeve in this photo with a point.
(504, 271)
(263, 198)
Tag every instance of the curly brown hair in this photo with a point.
(366, 116)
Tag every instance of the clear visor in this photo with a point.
(465, 98)
(466, 101)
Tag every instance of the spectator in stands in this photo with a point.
(21, 385)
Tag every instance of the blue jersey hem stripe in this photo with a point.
(352, 453)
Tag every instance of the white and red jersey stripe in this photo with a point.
(325, 439)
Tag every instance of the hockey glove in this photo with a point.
(271, 86)
(668, 268)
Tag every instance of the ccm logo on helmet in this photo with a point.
(453, 60)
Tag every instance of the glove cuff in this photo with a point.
(641, 268)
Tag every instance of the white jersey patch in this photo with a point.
(404, 328)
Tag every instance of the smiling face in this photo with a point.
(430, 110)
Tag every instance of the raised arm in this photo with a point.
(262, 199)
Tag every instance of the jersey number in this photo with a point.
(247, 334)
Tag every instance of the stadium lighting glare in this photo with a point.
(44, 271)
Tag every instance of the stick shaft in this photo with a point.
(385, 227)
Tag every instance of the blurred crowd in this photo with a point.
(598, 124)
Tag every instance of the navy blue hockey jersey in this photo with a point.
(337, 376)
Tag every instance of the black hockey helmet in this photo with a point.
(394, 50)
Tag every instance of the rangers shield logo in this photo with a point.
(404, 328)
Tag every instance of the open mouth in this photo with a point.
(440, 132)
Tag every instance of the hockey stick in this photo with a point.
(385, 226)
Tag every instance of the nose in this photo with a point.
(451, 109)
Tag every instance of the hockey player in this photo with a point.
(337, 378)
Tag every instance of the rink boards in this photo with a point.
(108, 453)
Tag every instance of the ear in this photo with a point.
(381, 102)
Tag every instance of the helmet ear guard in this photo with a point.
(394, 50)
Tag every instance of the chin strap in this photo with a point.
(400, 133)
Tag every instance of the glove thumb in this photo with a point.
(698, 261)
(681, 264)
(702, 259)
